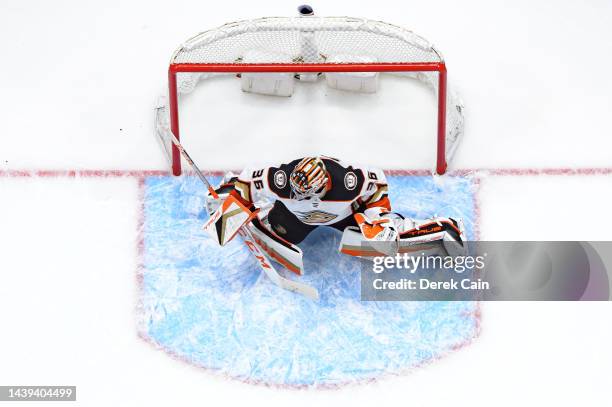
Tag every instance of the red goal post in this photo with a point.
(310, 45)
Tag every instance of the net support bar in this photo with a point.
(440, 67)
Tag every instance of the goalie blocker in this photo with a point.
(225, 222)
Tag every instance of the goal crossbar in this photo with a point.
(440, 67)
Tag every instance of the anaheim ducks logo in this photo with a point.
(280, 179)
(350, 180)
(315, 217)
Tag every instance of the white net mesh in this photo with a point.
(303, 40)
(308, 39)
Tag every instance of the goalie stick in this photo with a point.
(251, 243)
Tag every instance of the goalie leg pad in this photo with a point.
(433, 236)
(354, 244)
(280, 250)
(445, 229)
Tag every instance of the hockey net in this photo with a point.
(308, 47)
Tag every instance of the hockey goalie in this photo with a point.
(281, 205)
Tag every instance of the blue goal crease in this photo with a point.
(211, 305)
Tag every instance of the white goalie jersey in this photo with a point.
(350, 189)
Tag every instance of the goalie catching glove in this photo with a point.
(376, 225)
(380, 228)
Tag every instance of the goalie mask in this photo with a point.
(309, 178)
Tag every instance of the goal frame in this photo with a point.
(237, 68)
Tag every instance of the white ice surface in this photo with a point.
(547, 208)
(79, 81)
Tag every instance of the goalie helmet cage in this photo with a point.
(315, 45)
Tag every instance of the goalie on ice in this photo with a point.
(281, 205)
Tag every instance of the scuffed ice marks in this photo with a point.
(423, 197)
(212, 306)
